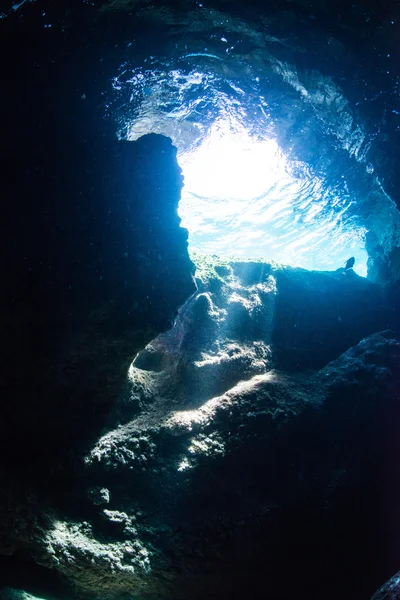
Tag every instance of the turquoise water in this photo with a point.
(275, 162)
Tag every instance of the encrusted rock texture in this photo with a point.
(94, 274)
(252, 447)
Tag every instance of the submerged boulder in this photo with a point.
(220, 466)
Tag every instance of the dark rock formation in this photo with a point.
(390, 590)
(220, 469)
(383, 264)
(93, 276)
(319, 315)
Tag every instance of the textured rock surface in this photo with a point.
(11, 594)
(94, 275)
(220, 467)
(390, 590)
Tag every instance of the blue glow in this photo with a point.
(242, 198)
(243, 195)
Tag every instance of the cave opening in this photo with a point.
(244, 198)
(269, 173)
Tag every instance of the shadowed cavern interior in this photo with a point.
(190, 414)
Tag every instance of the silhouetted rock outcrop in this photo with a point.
(93, 276)
(97, 276)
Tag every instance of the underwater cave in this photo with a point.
(243, 196)
(200, 391)
(277, 153)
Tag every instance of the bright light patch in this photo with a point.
(243, 198)
(232, 165)
(12, 594)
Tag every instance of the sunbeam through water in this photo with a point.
(243, 198)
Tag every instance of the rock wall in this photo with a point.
(228, 466)
(390, 590)
(320, 315)
(92, 277)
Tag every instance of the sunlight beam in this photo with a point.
(241, 198)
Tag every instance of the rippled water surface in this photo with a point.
(275, 158)
(243, 195)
